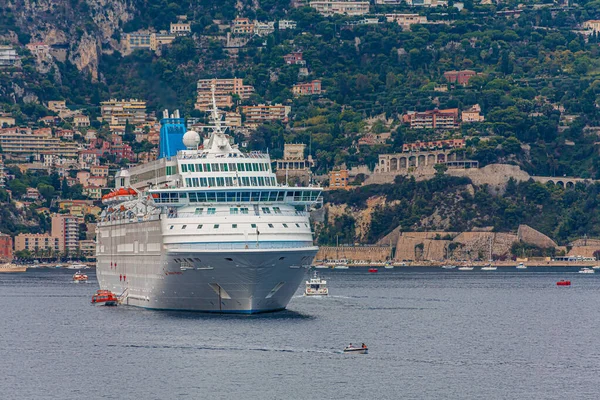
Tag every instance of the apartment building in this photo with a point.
(332, 7)
(66, 228)
(87, 248)
(307, 89)
(8, 56)
(472, 114)
(256, 115)
(406, 20)
(118, 112)
(284, 24)
(81, 121)
(180, 28)
(35, 242)
(224, 89)
(23, 142)
(6, 120)
(432, 119)
(338, 179)
(99, 170)
(242, 26)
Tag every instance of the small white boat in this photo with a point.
(489, 267)
(521, 266)
(596, 267)
(58, 266)
(77, 266)
(321, 266)
(586, 271)
(341, 267)
(356, 350)
(465, 268)
(388, 265)
(316, 286)
(448, 266)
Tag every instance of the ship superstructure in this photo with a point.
(207, 229)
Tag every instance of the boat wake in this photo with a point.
(228, 348)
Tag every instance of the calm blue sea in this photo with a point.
(432, 334)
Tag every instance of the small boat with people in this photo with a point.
(521, 266)
(586, 271)
(388, 265)
(105, 298)
(316, 286)
(79, 277)
(350, 349)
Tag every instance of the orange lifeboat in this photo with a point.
(562, 282)
(79, 277)
(105, 298)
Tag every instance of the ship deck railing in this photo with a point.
(229, 213)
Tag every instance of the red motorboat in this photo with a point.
(562, 282)
(373, 270)
(105, 298)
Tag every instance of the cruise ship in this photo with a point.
(205, 227)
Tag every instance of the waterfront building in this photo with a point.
(35, 242)
(66, 228)
(6, 248)
(332, 7)
(224, 89)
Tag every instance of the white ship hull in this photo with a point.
(252, 280)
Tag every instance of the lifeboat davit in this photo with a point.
(562, 282)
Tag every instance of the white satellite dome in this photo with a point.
(191, 140)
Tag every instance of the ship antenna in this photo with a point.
(215, 112)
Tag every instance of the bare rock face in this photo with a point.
(83, 29)
(529, 235)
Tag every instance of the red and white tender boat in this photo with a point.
(79, 277)
(105, 298)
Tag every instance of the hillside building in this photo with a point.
(432, 119)
(338, 179)
(256, 115)
(224, 90)
(592, 25)
(284, 24)
(8, 56)
(472, 114)
(242, 26)
(180, 28)
(406, 20)
(332, 7)
(294, 164)
(307, 89)
(460, 77)
(23, 142)
(433, 145)
(118, 112)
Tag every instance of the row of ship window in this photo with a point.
(237, 210)
(230, 181)
(237, 197)
(225, 167)
(235, 226)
